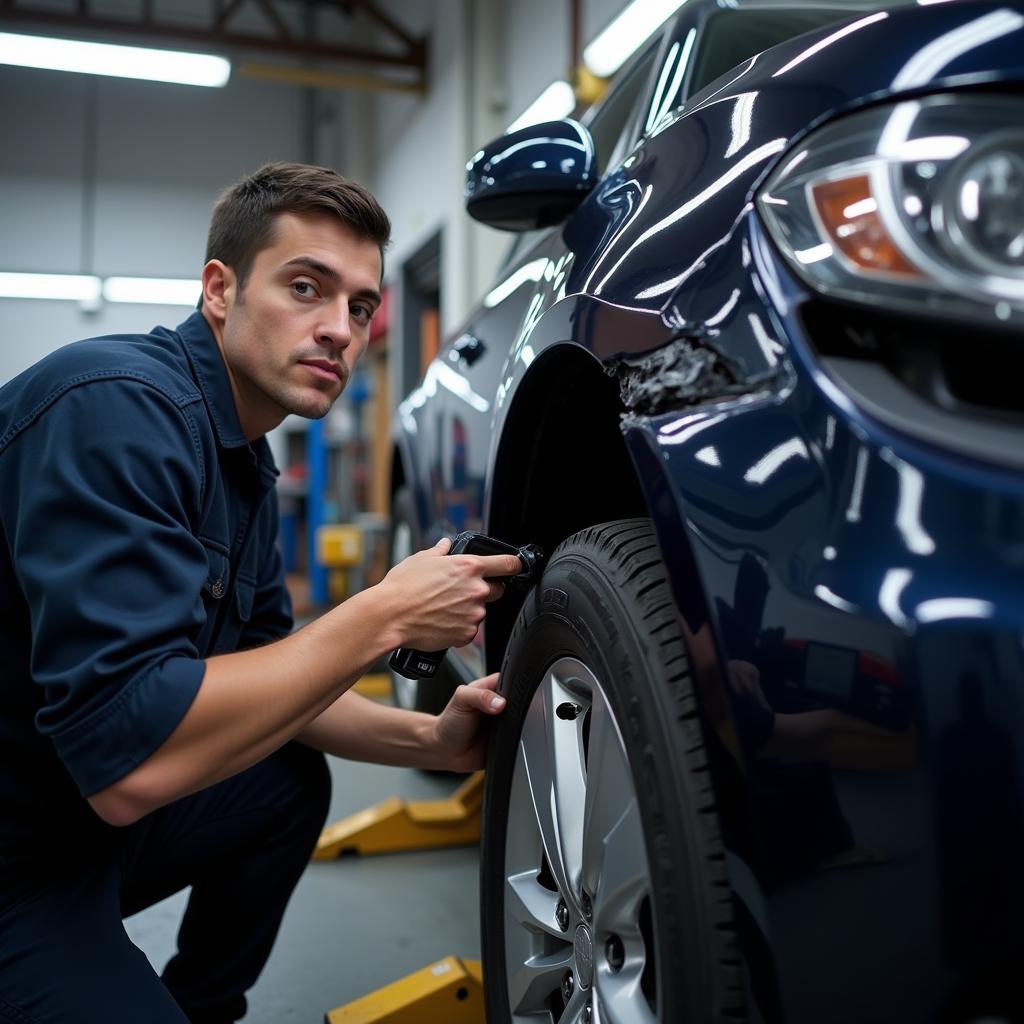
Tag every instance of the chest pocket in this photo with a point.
(227, 602)
(218, 576)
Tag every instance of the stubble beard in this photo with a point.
(302, 402)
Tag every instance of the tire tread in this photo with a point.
(626, 553)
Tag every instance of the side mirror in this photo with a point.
(532, 177)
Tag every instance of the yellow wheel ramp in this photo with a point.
(376, 686)
(396, 825)
(447, 992)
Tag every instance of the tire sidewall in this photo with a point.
(575, 612)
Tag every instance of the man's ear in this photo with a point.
(219, 289)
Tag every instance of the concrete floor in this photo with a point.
(354, 924)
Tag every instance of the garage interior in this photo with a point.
(749, 390)
(105, 178)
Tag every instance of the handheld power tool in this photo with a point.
(413, 664)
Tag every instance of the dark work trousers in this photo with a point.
(242, 844)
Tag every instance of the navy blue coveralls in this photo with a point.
(138, 538)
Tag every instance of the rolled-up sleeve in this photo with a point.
(102, 525)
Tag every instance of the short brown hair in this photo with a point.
(242, 223)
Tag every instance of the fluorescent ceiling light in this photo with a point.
(557, 100)
(116, 61)
(609, 51)
(75, 287)
(161, 291)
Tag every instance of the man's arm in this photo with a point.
(363, 730)
(252, 702)
(103, 537)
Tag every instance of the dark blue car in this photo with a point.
(751, 376)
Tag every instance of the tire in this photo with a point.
(430, 695)
(601, 850)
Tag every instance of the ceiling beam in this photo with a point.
(404, 65)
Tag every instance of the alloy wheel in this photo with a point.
(577, 895)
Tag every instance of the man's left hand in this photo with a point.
(458, 731)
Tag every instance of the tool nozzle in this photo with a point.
(532, 558)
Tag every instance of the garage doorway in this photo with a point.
(421, 304)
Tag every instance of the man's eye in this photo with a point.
(362, 313)
(303, 288)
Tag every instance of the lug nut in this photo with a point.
(562, 915)
(588, 907)
(614, 953)
(568, 711)
(588, 1013)
(568, 984)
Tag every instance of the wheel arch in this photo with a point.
(564, 463)
(403, 473)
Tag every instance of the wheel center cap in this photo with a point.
(583, 950)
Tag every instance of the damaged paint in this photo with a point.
(687, 371)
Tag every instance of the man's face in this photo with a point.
(291, 337)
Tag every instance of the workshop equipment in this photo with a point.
(374, 686)
(450, 990)
(447, 992)
(339, 545)
(396, 825)
(413, 664)
(340, 551)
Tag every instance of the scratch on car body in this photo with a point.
(687, 371)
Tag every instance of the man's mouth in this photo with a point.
(325, 369)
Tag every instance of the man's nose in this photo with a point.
(335, 329)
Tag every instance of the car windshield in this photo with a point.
(609, 118)
(731, 37)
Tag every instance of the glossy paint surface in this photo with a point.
(552, 163)
(851, 593)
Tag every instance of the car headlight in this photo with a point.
(917, 205)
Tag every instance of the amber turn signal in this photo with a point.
(849, 214)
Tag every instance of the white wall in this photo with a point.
(536, 50)
(30, 329)
(136, 188)
(162, 153)
(416, 142)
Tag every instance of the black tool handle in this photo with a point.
(413, 664)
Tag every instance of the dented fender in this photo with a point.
(687, 371)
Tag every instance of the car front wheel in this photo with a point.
(603, 887)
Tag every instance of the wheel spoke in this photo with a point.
(530, 986)
(532, 906)
(618, 998)
(552, 752)
(615, 867)
(624, 879)
(609, 788)
(573, 1012)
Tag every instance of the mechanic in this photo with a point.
(160, 723)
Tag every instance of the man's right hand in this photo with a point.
(439, 598)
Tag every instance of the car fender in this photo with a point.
(405, 467)
(531, 372)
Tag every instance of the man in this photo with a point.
(160, 725)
